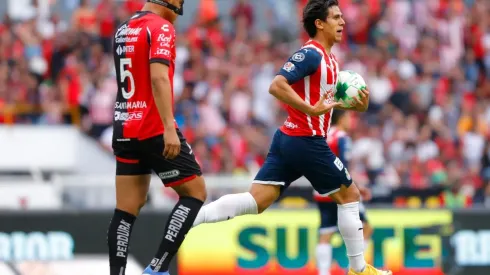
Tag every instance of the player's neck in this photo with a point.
(325, 44)
(158, 10)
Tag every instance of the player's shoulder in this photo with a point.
(307, 54)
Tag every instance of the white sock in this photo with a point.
(324, 258)
(227, 207)
(350, 227)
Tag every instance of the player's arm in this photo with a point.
(161, 39)
(361, 105)
(300, 65)
(162, 94)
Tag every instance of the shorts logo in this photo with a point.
(347, 174)
(169, 174)
(339, 164)
(298, 57)
(288, 67)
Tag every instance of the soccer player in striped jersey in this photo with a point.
(340, 144)
(306, 85)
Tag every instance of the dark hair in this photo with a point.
(337, 115)
(316, 9)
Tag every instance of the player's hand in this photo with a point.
(172, 143)
(322, 107)
(365, 193)
(362, 102)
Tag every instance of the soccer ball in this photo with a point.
(348, 85)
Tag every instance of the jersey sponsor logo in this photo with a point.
(164, 52)
(169, 174)
(130, 105)
(124, 49)
(288, 67)
(164, 40)
(126, 39)
(124, 116)
(298, 57)
(124, 30)
(290, 125)
(165, 28)
(339, 164)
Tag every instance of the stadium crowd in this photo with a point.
(427, 65)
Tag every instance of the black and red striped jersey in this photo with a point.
(144, 39)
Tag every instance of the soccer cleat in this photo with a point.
(149, 271)
(370, 270)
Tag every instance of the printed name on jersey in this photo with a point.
(339, 164)
(298, 57)
(124, 49)
(130, 105)
(288, 67)
(124, 116)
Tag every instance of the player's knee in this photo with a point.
(195, 188)
(264, 195)
(347, 195)
(131, 205)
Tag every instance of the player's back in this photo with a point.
(311, 72)
(143, 39)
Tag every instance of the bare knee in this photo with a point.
(195, 188)
(131, 204)
(347, 194)
(264, 195)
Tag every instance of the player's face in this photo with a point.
(178, 4)
(335, 24)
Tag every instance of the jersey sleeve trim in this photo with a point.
(160, 60)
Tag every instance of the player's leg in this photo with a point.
(132, 183)
(183, 174)
(272, 177)
(328, 176)
(328, 226)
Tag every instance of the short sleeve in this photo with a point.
(300, 65)
(162, 43)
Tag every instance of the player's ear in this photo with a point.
(319, 24)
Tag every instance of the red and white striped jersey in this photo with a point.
(311, 72)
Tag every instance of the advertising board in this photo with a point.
(283, 242)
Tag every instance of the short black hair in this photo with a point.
(337, 115)
(316, 9)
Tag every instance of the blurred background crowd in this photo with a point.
(427, 65)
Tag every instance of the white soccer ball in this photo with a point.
(348, 85)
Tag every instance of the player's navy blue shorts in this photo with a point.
(329, 216)
(291, 157)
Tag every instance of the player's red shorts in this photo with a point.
(140, 157)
